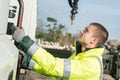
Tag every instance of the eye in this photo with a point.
(85, 30)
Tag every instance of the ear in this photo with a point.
(94, 41)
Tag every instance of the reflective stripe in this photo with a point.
(67, 68)
(101, 70)
(33, 49)
(31, 64)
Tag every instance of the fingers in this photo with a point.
(17, 29)
(18, 34)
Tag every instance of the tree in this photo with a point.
(55, 30)
(40, 30)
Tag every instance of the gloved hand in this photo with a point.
(18, 34)
(22, 41)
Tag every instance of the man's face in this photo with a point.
(85, 36)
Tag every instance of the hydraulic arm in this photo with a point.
(74, 6)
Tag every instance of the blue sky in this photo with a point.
(106, 12)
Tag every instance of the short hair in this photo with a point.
(101, 33)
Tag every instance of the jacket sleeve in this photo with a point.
(51, 66)
(45, 63)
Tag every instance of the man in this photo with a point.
(85, 65)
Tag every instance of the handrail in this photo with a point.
(20, 15)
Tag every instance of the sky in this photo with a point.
(105, 12)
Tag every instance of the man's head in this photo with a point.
(93, 35)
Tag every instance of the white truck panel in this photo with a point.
(8, 58)
(30, 17)
(8, 52)
(4, 5)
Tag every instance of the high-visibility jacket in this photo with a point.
(85, 65)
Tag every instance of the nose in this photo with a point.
(81, 32)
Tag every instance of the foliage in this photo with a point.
(51, 19)
(54, 32)
(40, 35)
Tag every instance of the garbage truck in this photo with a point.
(14, 13)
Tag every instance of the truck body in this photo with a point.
(8, 52)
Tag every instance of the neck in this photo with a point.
(84, 47)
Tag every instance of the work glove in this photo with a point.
(18, 34)
(24, 43)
